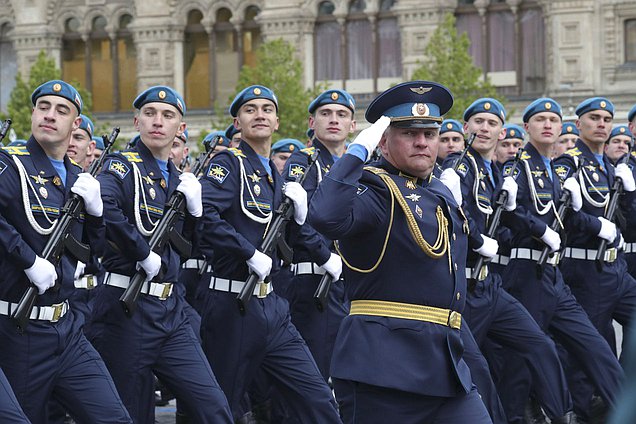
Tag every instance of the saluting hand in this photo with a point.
(370, 137)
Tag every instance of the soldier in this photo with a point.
(451, 139)
(398, 355)
(567, 139)
(241, 189)
(545, 294)
(511, 143)
(52, 359)
(179, 153)
(81, 148)
(99, 147)
(490, 310)
(233, 134)
(282, 150)
(604, 289)
(158, 337)
(618, 144)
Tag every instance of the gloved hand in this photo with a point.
(489, 248)
(333, 266)
(572, 185)
(625, 174)
(191, 189)
(621, 243)
(260, 264)
(151, 265)
(552, 239)
(79, 270)
(510, 186)
(88, 188)
(298, 195)
(608, 230)
(451, 180)
(42, 274)
(370, 137)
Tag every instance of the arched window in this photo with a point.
(196, 62)
(226, 56)
(251, 35)
(73, 53)
(328, 42)
(359, 49)
(389, 42)
(101, 67)
(8, 65)
(630, 41)
(126, 57)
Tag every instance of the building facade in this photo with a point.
(567, 49)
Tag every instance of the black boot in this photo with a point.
(533, 413)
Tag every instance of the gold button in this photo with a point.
(458, 296)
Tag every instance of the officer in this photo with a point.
(82, 146)
(282, 150)
(618, 144)
(331, 117)
(451, 139)
(52, 359)
(158, 337)
(567, 139)
(398, 354)
(511, 143)
(604, 289)
(241, 189)
(233, 134)
(490, 310)
(545, 294)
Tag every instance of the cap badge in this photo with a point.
(487, 106)
(257, 91)
(162, 94)
(419, 109)
(548, 105)
(603, 104)
(57, 87)
(291, 147)
(449, 125)
(569, 129)
(512, 133)
(334, 96)
(421, 90)
(622, 130)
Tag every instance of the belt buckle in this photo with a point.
(58, 308)
(455, 320)
(262, 290)
(167, 290)
(90, 282)
(553, 259)
(610, 255)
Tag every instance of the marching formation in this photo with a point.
(430, 271)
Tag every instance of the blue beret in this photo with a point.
(184, 136)
(250, 93)
(223, 140)
(632, 114)
(87, 125)
(620, 130)
(17, 142)
(287, 145)
(99, 143)
(135, 140)
(231, 131)
(61, 89)
(514, 131)
(413, 104)
(450, 125)
(569, 128)
(594, 103)
(486, 105)
(161, 94)
(338, 97)
(543, 104)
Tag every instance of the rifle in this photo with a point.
(469, 143)
(320, 296)
(61, 239)
(617, 191)
(565, 202)
(164, 232)
(6, 124)
(276, 232)
(496, 217)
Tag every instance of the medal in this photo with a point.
(540, 182)
(57, 181)
(257, 189)
(43, 192)
(162, 183)
(595, 177)
(153, 193)
(483, 185)
(418, 211)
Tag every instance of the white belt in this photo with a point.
(311, 268)
(500, 259)
(482, 274)
(160, 290)
(235, 286)
(87, 282)
(629, 247)
(533, 255)
(51, 313)
(196, 264)
(589, 254)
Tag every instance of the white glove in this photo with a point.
(42, 274)
(151, 265)
(88, 188)
(79, 270)
(451, 180)
(298, 195)
(489, 248)
(552, 239)
(260, 264)
(370, 137)
(608, 230)
(621, 243)
(191, 189)
(572, 185)
(510, 186)
(625, 174)
(333, 266)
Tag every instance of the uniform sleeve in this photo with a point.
(117, 187)
(220, 188)
(521, 219)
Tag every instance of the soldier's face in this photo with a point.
(257, 120)
(53, 119)
(450, 142)
(158, 124)
(332, 123)
(81, 147)
(178, 152)
(280, 159)
(544, 128)
(595, 126)
(489, 130)
(632, 126)
(617, 147)
(412, 150)
(507, 149)
(564, 143)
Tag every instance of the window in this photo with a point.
(101, 67)
(126, 58)
(226, 56)
(8, 66)
(328, 38)
(630, 41)
(73, 53)
(251, 36)
(196, 62)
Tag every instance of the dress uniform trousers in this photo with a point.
(10, 409)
